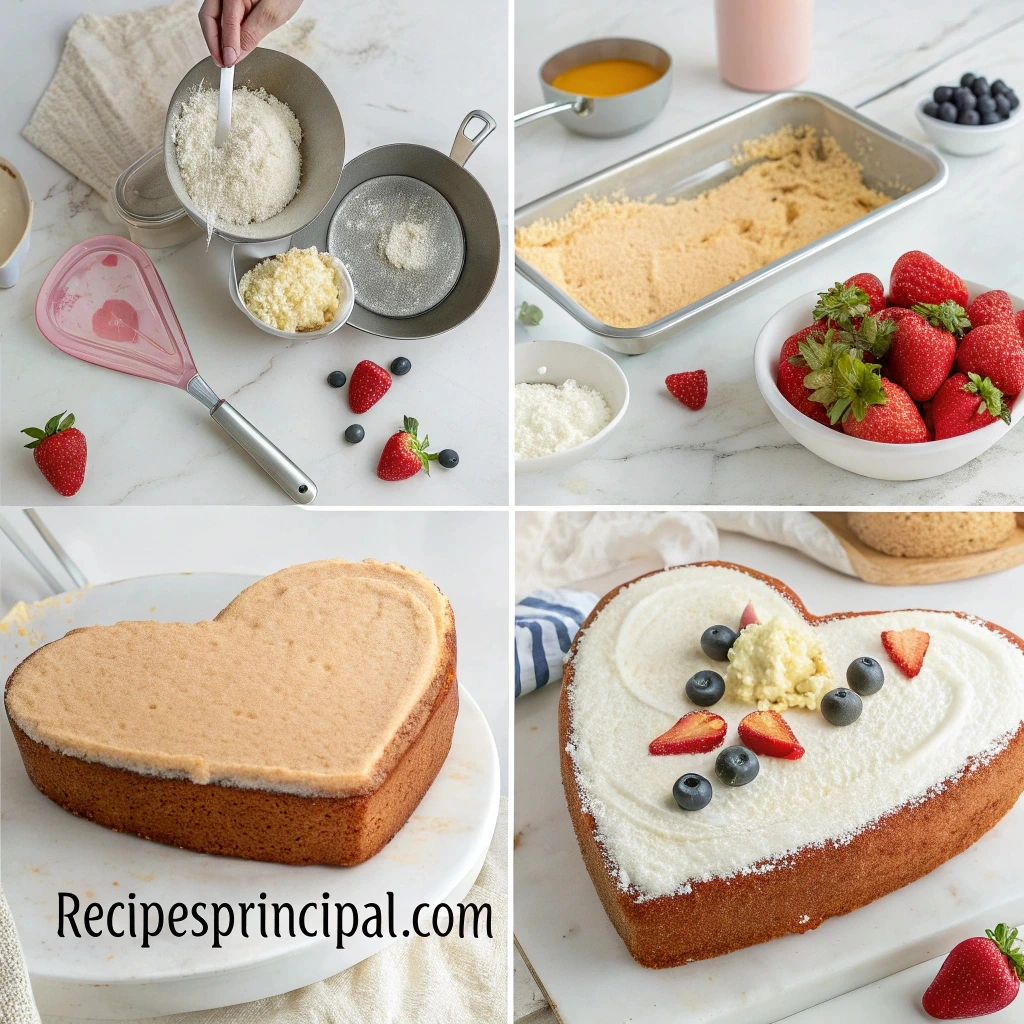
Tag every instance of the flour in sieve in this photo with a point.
(553, 418)
(255, 174)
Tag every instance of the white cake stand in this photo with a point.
(434, 858)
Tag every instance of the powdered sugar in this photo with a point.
(553, 418)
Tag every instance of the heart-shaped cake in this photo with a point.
(730, 785)
(302, 725)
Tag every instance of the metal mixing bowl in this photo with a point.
(322, 147)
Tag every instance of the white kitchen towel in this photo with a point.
(414, 981)
(16, 1003)
(803, 531)
(106, 104)
(545, 623)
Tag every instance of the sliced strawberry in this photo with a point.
(768, 733)
(907, 648)
(695, 733)
(691, 388)
(749, 617)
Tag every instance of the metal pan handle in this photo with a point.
(464, 146)
(582, 105)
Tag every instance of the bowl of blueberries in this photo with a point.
(970, 118)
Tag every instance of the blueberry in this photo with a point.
(942, 93)
(692, 791)
(1012, 97)
(717, 641)
(998, 87)
(354, 434)
(947, 112)
(967, 80)
(865, 676)
(969, 117)
(964, 99)
(841, 706)
(990, 117)
(448, 457)
(980, 86)
(336, 378)
(1002, 106)
(736, 766)
(400, 366)
(931, 108)
(705, 688)
(986, 104)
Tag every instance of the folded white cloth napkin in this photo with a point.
(16, 1003)
(545, 625)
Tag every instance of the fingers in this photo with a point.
(231, 18)
(265, 16)
(209, 22)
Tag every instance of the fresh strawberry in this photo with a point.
(405, 454)
(980, 976)
(749, 617)
(994, 351)
(60, 452)
(872, 287)
(921, 354)
(691, 388)
(990, 308)
(793, 369)
(696, 732)
(874, 408)
(965, 403)
(916, 277)
(767, 733)
(843, 305)
(367, 386)
(1018, 319)
(907, 648)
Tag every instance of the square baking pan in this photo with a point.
(701, 159)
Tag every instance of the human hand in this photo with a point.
(233, 28)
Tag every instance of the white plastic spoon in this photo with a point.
(227, 80)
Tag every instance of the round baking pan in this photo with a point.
(322, 146)
(467, 198)
(607, 116)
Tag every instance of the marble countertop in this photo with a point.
(400, 72)
(733, 451)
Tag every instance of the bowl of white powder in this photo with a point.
(283, 158)
(568, 400)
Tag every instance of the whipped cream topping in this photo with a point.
(914, 736)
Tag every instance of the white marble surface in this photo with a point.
(464, 553)
(733, 451)
(401, 72)
(582, 963)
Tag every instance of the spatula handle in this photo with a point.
(265, 454)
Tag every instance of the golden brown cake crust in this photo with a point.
(932, 534)
(721, 915)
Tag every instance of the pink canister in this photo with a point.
(764, 45)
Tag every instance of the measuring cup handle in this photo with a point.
(464, 146)
(582, 105)
(265, 454)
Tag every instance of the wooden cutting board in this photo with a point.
(889, 570)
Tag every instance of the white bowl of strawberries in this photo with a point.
(899, 386)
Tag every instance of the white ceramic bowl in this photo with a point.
(868, 458)
(14, 194)
(244, 256)
(560, 361)
(967, 139)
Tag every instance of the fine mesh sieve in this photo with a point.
(364, 228)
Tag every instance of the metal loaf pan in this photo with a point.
(699, 160)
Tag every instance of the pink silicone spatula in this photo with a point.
(103, 302)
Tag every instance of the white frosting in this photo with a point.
(630, 670)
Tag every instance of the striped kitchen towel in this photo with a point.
(546, 623)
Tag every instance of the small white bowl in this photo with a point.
(560, 361)
(867, 458)
(967, 139)
(14, 194)
(244, 256)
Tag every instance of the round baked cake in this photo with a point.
(845, 805)
(932, 534)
